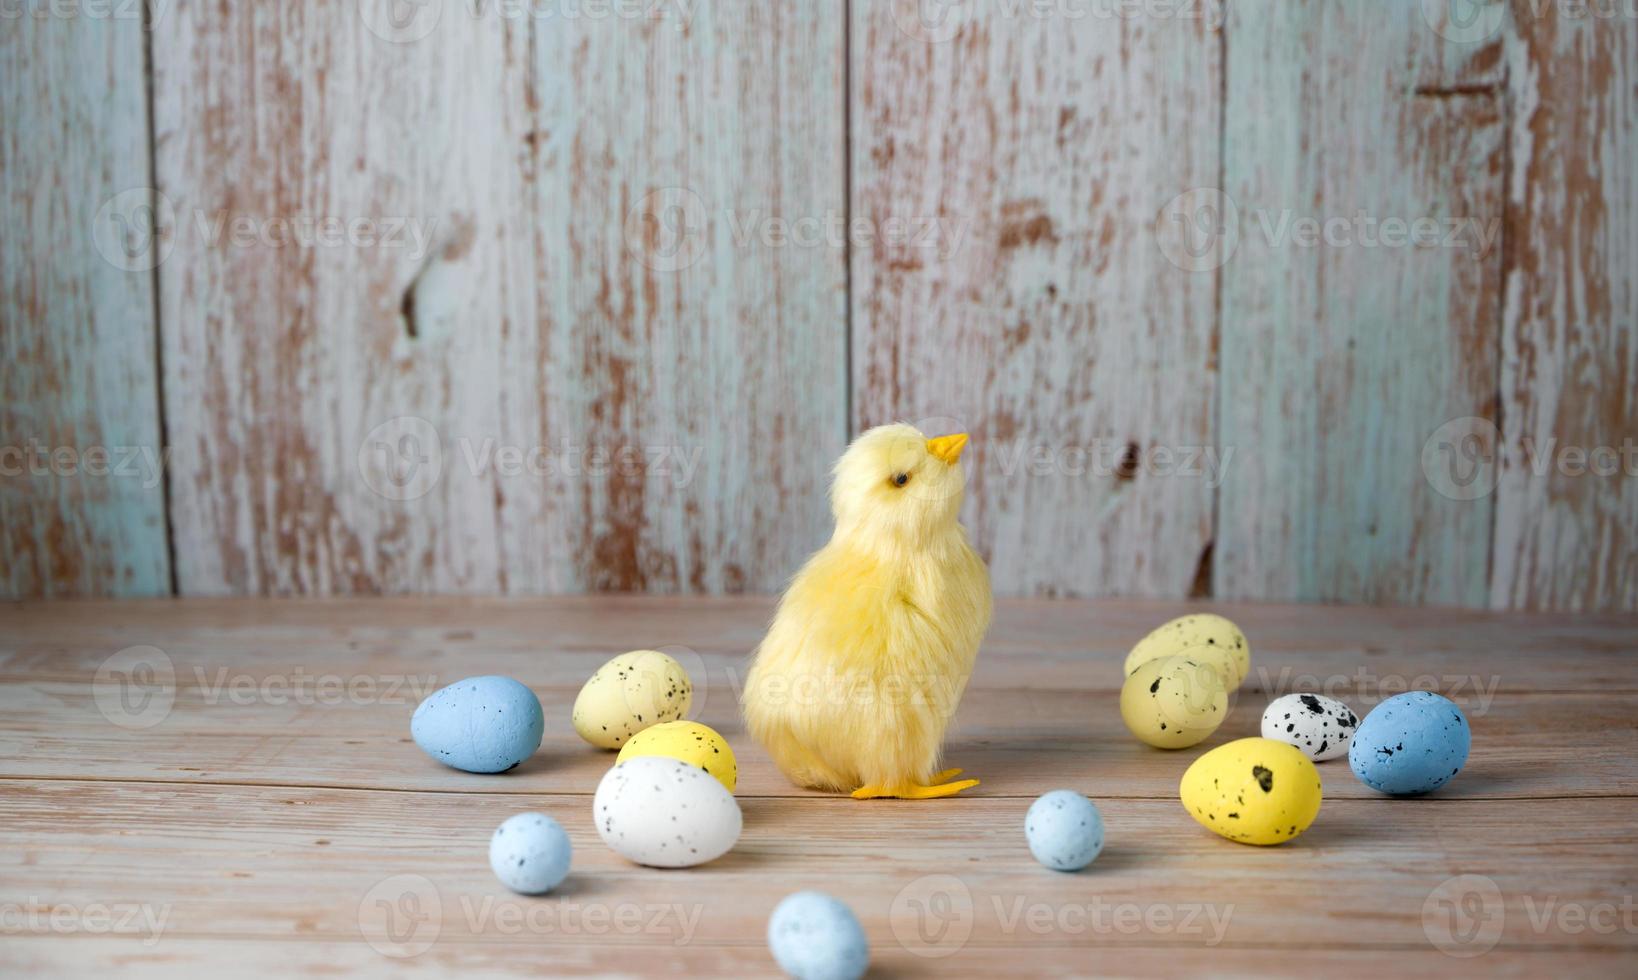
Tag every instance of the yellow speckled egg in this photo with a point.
(690, 742)
(1174, 702)
(632, 692)
(1226, 645)
(1255, 791)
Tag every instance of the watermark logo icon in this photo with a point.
(135, 230)
(932, 917)
(401, 916)
(401, 21)
(1465, 21)
(1459, 458)
(1464, 916)
(1199, 229)
(931, 21)
(402, 458)
(136, 687)
(668, 229)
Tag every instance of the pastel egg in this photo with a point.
(1064, 830)
(1254, 791)
(1230, 651)
(816, 937)
(1321, 727)
(530, 853)
(1173, 702)
(481, 724)
(631, 692)
(1410, 744)
(665, 813)
(690, 742)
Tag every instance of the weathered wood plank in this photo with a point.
(1351, 334)
(529, 391)
(310, 864)
(1567, 496)
(1008, 162)
(82, 496)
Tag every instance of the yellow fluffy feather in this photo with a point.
(874, 641)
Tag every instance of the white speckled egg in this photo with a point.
(631, 692)
(816, 937)
(530, 853)
(664, 813)
(1320, 726)
(1064, 830)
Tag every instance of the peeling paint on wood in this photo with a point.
(1567, 499)
(1342, 358)
(1031, 153)
(82, 498)
(541, 396)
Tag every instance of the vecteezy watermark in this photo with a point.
(937, 21)
(1111, 458)
(302, 687)
(1203, 228)
(408, 21)
(1477, 21)
(672, 228)
(34, 458)
(1460, 459)
(36, 917)
(135, 687)
(403, 458)
(137, 229)
(934, 916)
(1471, 691)
(131, 10)
(674, 923)
(1466, 916)
(401, 916)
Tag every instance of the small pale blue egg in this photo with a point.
(481, 724)
(1064, 830)
(815, 937)
(1410, 744)
(530, 853)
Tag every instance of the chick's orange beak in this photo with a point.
(948, 448)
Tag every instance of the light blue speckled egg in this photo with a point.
(481, 724)
(530, 853)
(1411, 743)
(816, 937)
(1064, 830)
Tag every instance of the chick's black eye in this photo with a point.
(900, 479)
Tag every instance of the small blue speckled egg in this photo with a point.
(530, 853)
(816, 937)
(1411, 743)
(1064, 830)
(481, 724)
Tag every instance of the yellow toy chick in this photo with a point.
(874, 641)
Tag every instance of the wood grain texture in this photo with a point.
(570, 371)
(1029, 148)
(264, 834)
(1567, 497)
(82, 497)
(1344, 352)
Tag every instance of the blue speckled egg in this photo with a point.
(1411, 743)
(481, 724)
(816, 937)
(1064, 830)
(530, 853)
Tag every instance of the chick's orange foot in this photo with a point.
(937, 789)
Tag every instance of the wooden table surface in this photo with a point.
(266, 813)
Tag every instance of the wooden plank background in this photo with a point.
(683, 256)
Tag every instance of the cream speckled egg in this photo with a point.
(631, 692)
(1174, 702)
(1321, 727)
(665, 813)
(1226, 645)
